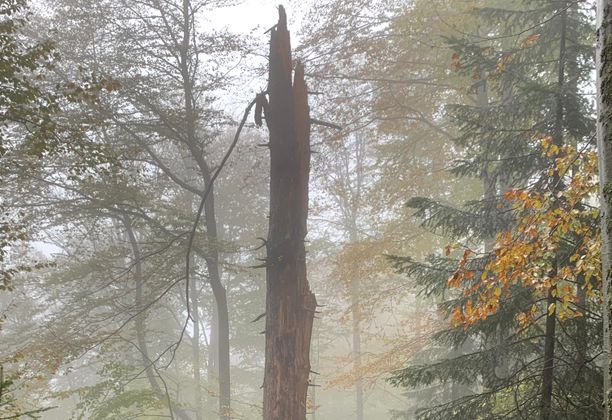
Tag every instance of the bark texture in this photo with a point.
(604, 145)
(290, 305)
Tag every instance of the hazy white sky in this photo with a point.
(254, 17)
(251, 15)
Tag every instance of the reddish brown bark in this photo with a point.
(290, 305)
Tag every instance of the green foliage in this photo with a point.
(35, 123)
(524, 82)
(9, 405)
(108, 399)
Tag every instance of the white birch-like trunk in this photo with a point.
(604, 146)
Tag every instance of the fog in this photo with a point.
(335, 209)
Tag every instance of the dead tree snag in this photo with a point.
(290, 305)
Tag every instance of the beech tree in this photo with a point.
(167, 101)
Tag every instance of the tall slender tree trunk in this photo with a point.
(196, 361)
(195, 349)
(604, 145)
(490, 178)
(352, 210)
(356, 331)
(573, 85)
(290, 305)
(140, 325)
(489, 183)
(194, 297)
(213, 351)
(549, 357)
(212, 256)
(551, 312)
(223, 330)
(356, 315)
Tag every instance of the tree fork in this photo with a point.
(290, 305)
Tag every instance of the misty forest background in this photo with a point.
(453, 236)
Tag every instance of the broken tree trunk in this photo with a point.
(290, 305)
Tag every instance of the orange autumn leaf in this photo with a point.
(530, 40)
(521, 255)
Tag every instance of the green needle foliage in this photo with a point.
(529, 63)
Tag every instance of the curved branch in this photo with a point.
(203, 201)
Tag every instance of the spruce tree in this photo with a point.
(529, 62)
